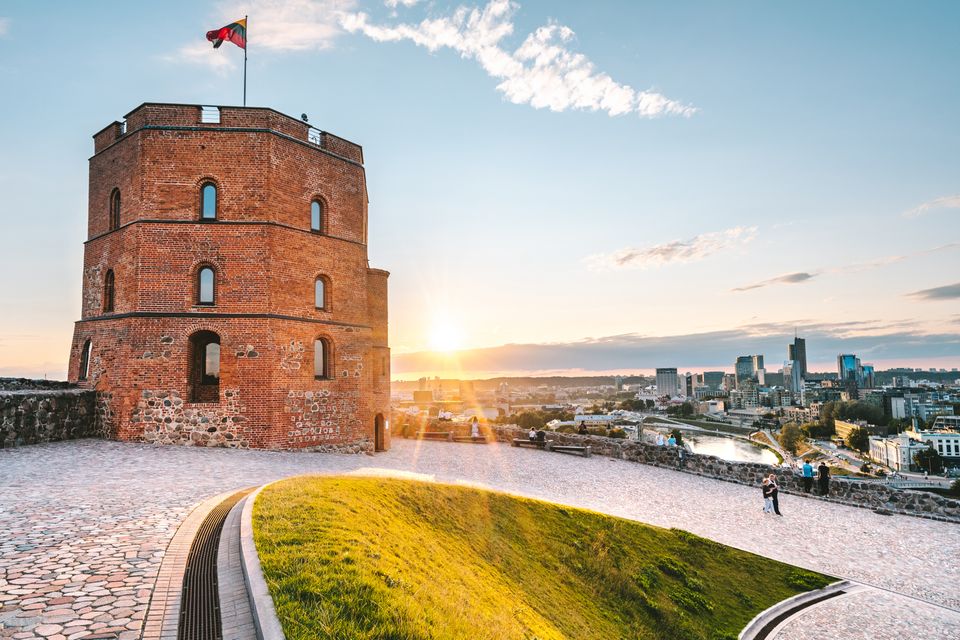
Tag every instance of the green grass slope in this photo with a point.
(364, 558)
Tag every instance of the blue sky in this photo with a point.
(766, 165)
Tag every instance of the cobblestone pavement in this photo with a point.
(84, 526)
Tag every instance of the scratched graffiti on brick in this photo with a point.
(291, 355)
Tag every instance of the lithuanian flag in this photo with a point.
(235, 32)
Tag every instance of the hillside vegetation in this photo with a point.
(375, 558)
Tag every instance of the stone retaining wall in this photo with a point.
(46, 415)
(865, 494)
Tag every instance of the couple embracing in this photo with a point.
(771, 502)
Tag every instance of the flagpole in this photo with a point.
(246, 21)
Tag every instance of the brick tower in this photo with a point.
(227, 297)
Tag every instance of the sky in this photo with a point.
(554, 186)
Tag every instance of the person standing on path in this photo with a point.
(774, 494)
(823, 478)
(807, 476)
(767, 500)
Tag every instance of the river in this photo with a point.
(729, 449)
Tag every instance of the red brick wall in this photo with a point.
(266, 260)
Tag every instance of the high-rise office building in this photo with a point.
(792, 376)
(667, 381)
(713, 379)
(867, 375)
(743, 369)
(798, 351)
(849, 369)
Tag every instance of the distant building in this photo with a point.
(867, 376)
(713, 380)
(798, 352)
(793, 376)
(743, 369)
(667, 383)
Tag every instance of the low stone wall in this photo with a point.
(32, 416)
(865, 494)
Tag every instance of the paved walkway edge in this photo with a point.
(163, 613)
(797, 603)
(264, 614)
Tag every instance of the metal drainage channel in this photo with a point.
(770, 626)
(200, 599)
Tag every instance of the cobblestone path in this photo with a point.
(84, 524)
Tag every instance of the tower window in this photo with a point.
(115, 209)
(321, 358)
(320, 293)
(108, 292)
(208, 201)
(85, 360)
(205, 367)
(206, 289)
(316, 216)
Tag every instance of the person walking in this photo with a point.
(807, 476)
(767, 500)
(774, 494)
(823, 478)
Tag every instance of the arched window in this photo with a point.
(108, 292)
(206, 286)
(321, 359)
(208, 201)
(85, 360)
(320, 293)
(115, 209)
(204, 367)
(316, 216)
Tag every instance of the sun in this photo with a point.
(444, 337)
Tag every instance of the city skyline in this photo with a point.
(732, 197)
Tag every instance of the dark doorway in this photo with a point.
(378, 428)
(205, 367)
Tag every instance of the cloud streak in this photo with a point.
(4, 26)
(543, 72)
(677, 251)
(946, 202)
(946, 292)
(787, 278)
(872, 340)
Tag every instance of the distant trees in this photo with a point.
(852, 410)
(928, 460)
(790, 437)
(684, 410)
(633, 404)
(859, 439)
(813, 430)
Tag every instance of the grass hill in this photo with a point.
(375, 558)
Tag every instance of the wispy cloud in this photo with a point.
(200, 54)
(875, 340)
(4, 26)
(393, 4)
(946, 202)
(543, 72)
(946, 292)
(855, 267)
(273, 25)
(690, 250)
(787, 278)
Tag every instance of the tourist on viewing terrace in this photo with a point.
(767, 499)
(807, 476)
(475, 428)
(660, 440)
(671, 441)
(582, 429)
(774, 493)
(532, 435)
(823, 478)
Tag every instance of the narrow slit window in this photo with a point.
(320, 358)
(320, 294)
(206, 289)
(115, 209)
(85, 360)
(316, 216)
(108, 292)
(208, 202)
